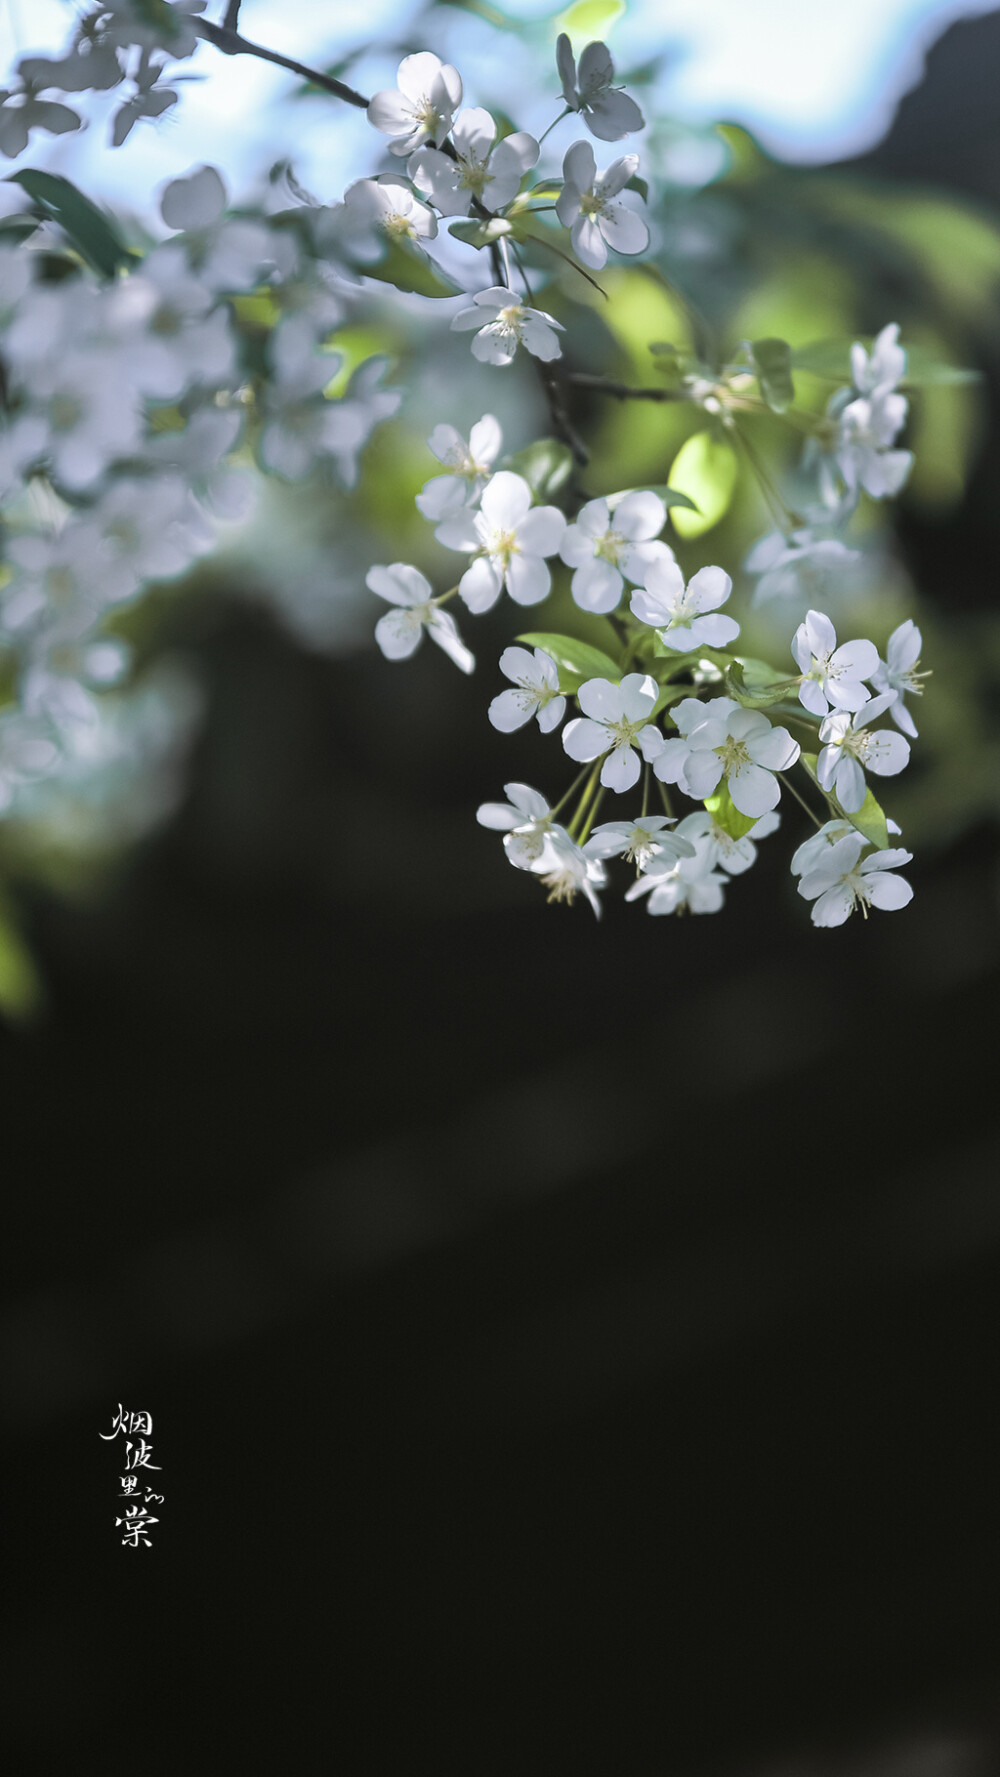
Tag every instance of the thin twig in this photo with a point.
(602, 385)
(232, 44)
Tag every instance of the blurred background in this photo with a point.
(525, 1396)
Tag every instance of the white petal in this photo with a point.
(528, 579)
(596, 586)
(624, 230)
(506, 500)
(480, 586)
(621, 770)
(585, 740)
(510, 710)
(640, 516)
(398, 635)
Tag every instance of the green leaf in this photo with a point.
(755, 696)
(669, 495)
(772, 360)
(88, 228)
(639, 185)
(480, 234)
(705, 470)
(723, 809)
(870, 820)
(576, 661)
(409, 269)
(20, 988)
(545, 465)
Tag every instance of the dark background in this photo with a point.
(568, 1352)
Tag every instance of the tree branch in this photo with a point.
(229, 41)
(602, 385)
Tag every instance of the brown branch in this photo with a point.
(621, 391)
(232, 44)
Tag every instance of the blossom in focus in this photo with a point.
(421, 106)
(400, 632)
(639, 841)
(589, 206)
(898, 673)
(606, 550)
(483, 168)
(384, 206)
(850, 749)
(510, 539)
(468, 467)
(536, 677)
(721, 740)
(607, 112)
(691, 885)
(615, 721)
(732, 855)
(843, 880)
(525, 821)
(831, 675)
(684, 616)
(513, 324)
(566, 870)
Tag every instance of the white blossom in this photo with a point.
(153, 526)
(385, 206)
(363, 406)
(898, 673)
(61, 668)
(169, 332)
(91, 413)
(639, 841)
(691, 885)
(589, 206)
(227, 255)
(512, 325)
(843, 880)
(863, 455)
(510, 540)
(468, 467)
(831, 675)
(421, 107)
(732, 855)
(615, 721)
(300, 422)
(684, 616)
(526, 821)
(566, 870)
(721, 740)
(607, 112)
(800, 565)
(21, 111)
(606, 550)
(813, 850)
(400, 632)
(149, 100)
(27, 751)
(884, 367)
(850, 749)
(197, 452)
(61, 576)
(484, 169)
(537, 679)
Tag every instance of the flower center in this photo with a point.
(65, 412)
(59, 585)
(610, 547)
(509, 319)
(562, 885)
(474, 176)
(733, 754)
(593, 204)
(502, 545)
(426, 114)
(623, 732)
(396, 225)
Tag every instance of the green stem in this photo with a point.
(573, 786)
(786, 780)
(783, 515)
(589, 790)
(552, 125)
(665, 799)
(591, 818)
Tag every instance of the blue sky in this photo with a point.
(815, 80)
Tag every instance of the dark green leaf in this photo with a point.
(871, 821)
(772, 360)
(639, 185)
(755, 696)
(480, 234)
(87, 227)
(409, 269)
(545, 465)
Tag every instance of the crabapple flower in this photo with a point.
(720, 740)
(678, 613)
(567, 871)
(21, 111)
(884, 367)
(511, 540)
(587, 206)
(849, 746)
(831, 675)
(91, 413)
(148, 100)
(385, 206)
(898, 673)
(483, 168)
(607, 112)
(468, 467)
(512, 325)
(732, 855)
(537, 679)
(639, 841)
(798, 566)
(691, 885)
(843, 880)
(300, 423)
(420, 108)
(868, 428)
(812, 851)
(400, 632)
(615, 721)
(607, 550)
(526, 822)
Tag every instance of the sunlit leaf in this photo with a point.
(704, 469)
(755, 696)
(409, 269)
(724, 811)
(589, 21)
(772, 359)
(831, 359)
(576, 661)
(20, 988)
(545, 465)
